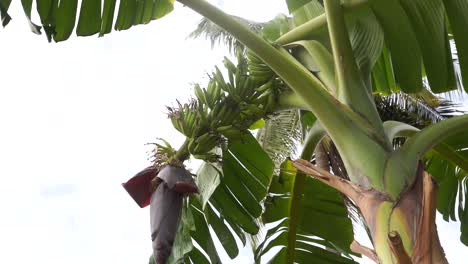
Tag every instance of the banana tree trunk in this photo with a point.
(403, 230)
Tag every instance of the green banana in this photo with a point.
(265, 86)
(200, 94)
(229, 65)
(191, 146)
(175, 123)
(230, 132)
(205, 143)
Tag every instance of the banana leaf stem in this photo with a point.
(290, 100)
(311, 27)
(316, 25)
(431, 136)
(351, 88)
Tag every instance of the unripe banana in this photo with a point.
(220, 79)
(200, 94)
(265, 86)
(229, 65)
(191, 146)
(175, 124)
(230, 132)
(205, 143)
(203, 139)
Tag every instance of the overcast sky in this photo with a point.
(74, 120)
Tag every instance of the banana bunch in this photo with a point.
(245, 86)
(203, 144)
(231, 132)
(225, 112)
(210, 96)
(232, 101)
(258, 70)
(188, 119)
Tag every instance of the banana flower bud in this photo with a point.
(172, 183)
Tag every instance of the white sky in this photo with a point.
(74, 118)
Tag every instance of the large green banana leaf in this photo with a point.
(417, 37)
(323, 229)
(58, 18)
(229, 203)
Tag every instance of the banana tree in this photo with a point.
(327, 57)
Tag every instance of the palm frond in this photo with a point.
(415, 110)
(219, 36)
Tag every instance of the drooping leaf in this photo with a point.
(197, 257)
(47, 10)
(367, 40)
(58, 18)
(107, 17)
(383, 75)
(162, 8)
(249, 198)
(260, 165)
(427, 18)
(4, 5)
(27, 7)
(65, 16)
(147, 12)
(222, 232)
(126, 14)
(229, 208)
(457, 11)
(201, 234)
(402, 43)
(44, 8)
(89, 22)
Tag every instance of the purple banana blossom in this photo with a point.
(166, 209)
(139, 186)
(173, 183)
